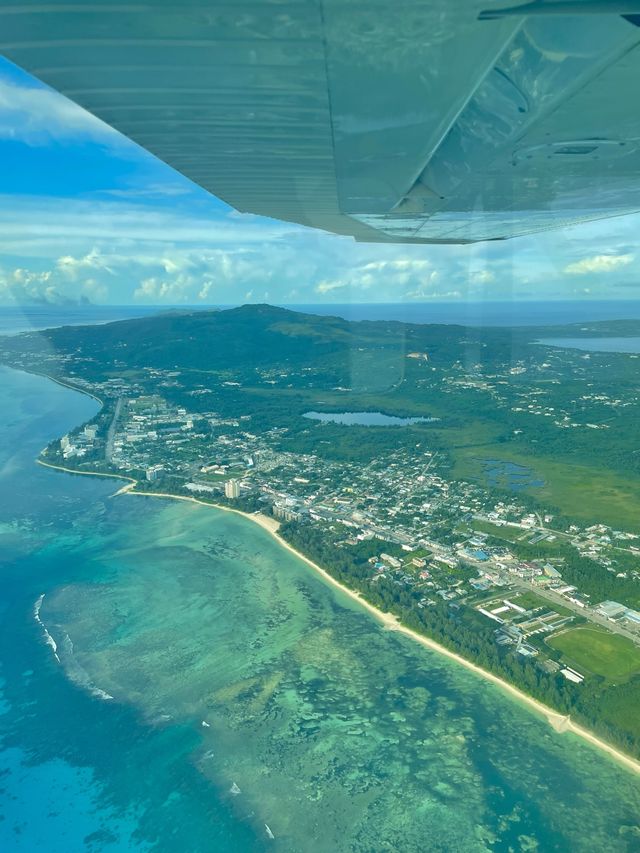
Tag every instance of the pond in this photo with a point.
(507, 475)
(366, 418)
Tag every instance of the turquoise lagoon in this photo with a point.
(246, 693)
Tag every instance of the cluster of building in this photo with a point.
(433, 529)
(80, 444)
(405, 499)
(618, 613)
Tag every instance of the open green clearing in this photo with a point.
(505, 532)
(610, 655)
(531, 601)
(589, 494)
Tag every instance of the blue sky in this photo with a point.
(87, 215)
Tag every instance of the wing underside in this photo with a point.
(413, 121)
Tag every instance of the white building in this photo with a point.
(232, 489)
(611, 609)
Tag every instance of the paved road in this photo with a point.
(554, 598)
(108, 449)
(589, 614)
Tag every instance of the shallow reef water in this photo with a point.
(311, 719)
(214, 694)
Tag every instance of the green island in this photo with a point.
(478, 485)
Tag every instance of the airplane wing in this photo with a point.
(437, 121)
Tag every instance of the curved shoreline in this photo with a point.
(559, 722)
(130, 481)
(65, 385)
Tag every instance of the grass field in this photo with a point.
(583, 492)
(530, 600)
(601, 653)
(504, 532)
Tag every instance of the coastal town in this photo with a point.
(450, 540)
(469, 486)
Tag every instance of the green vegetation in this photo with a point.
(226, 391)
(609, 655)
(531, 601)
(589, 492)
(581, 570)
(596, 703)
(503, 532)
(286, 363)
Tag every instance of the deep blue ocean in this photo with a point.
(25, 318)
(511, 313)
(249, 699)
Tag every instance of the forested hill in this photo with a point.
(256, 334)
(571, 417)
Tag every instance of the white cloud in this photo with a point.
(423, 293)
(183, 289)
(327, 286)
(29, 286)
(46, 226)
(390, 274)
(93, 260)
(180, 187)
(482, 276)
(397, 265)
(38, 116)
(203, 276)
(174, 291)
(94, 290)
(109, 250)
(599, 263)
(162, 241)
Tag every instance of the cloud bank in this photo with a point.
(136, 231)
(117, 251)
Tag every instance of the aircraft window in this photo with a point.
(319, 426)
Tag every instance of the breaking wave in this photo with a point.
(64, 655)
(47, 636)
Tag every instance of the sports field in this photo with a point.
(614, 657)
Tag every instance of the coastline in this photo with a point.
(559, 722)
(130, 481)
(63, 384)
